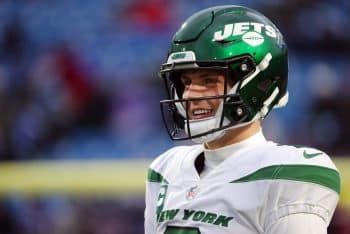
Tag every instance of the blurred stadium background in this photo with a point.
(79, 112)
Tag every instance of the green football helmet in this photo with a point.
(248, 48)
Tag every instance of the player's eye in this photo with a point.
(210, 81)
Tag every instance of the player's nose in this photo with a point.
(194, 91)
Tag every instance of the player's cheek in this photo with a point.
(214, 103)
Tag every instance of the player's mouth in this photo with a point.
(201, 113)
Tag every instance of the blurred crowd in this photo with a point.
(64, 215)
(78, 79)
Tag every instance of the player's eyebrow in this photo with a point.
(204, 75)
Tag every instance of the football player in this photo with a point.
(226, 70)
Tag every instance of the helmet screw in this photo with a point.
(239, 111)
(244, 67)
(254, 99)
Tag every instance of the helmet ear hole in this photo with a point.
(264, 85)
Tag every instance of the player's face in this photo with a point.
(203, 83)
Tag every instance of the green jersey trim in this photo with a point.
(314, 174)
(154, 176)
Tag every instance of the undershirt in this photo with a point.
(213, 158)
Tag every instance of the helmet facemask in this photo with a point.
(230, 113)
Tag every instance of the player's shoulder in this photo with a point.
(299, 163)
(296, 155)
(301, 179)
(167, 163)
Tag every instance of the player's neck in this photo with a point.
(235, 135)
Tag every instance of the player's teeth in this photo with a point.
(201, 112)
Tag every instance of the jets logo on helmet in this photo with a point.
(248, 48)
(241, 28)
(253, 38)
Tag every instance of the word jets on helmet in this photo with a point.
(243, 27)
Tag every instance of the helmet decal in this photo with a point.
(181, 57)
(253, 38)
(240, 28)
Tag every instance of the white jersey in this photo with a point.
(247, 193)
